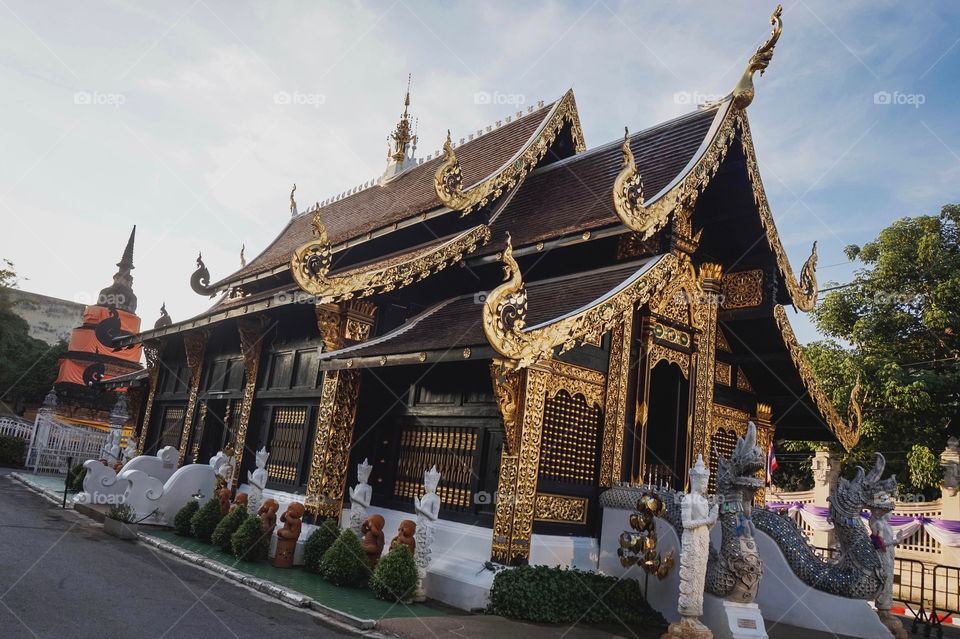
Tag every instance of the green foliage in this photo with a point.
(925, 469)
(182, 521)
(75, 478)
(223, 533)
(395, 576)
(28, 366)
(318, 542)
(249, 542)
(345, 563)
(901, 318)
(558, 595)
(121, 512)
(13, 451)
(205, 520)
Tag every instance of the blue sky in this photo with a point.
(175, 116)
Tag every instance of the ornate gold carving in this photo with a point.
(576, 380)
(742, 382)
(328, 322)
(251, 335)
(723, 374)
(561, 508)
(659, 353)
(467, 353)
(356, 330)
(448, 180)
(671, 334)
(628, 187)
(730, 418)
(506, 388)
(847, 434)
(706, 313)
(516, 491)
(744, 91)
(505, 312)
(743, 289)
(311, 263)
(151, 352)
(195, 344)
(618, 380)
(631, 246)
(331, 449)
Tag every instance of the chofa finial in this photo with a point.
(759, 61)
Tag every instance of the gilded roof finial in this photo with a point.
(743, 92)
(402, 135)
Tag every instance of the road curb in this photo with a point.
(264, 586)
(46, 493)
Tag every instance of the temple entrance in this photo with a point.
(668, 416)
(214, 429)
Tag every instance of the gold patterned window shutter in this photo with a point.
(571, 431)
(451, 449)
(722, 442)
(287, 428)
(171, 426)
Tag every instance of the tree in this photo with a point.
(28, 366)
(896, 327)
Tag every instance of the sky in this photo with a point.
(193, 119)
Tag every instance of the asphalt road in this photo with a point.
(61, 576)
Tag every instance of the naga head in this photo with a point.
(865, 490)
(739, 472)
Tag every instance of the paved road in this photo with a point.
(62, 577)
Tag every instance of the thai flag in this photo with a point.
(771, 464)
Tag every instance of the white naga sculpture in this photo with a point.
(360, 497)
(224, 465)
(130, 450)
(257, 481)
(428, 510)
(698, 517)
(884, 540)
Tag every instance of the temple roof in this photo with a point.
(410, 193)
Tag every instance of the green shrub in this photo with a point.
(228, 525)
(181, 523)
(75, 478)
(13, 451)
(345, 563)
(318, 542)
(395, 576)
(121, 512)
(558, 595)
(205, 520)
(249, 542)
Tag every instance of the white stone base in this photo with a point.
(744, 621)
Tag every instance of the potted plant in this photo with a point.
(119, 522)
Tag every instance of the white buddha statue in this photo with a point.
(257, 480)
(360, 496)
(428, 511)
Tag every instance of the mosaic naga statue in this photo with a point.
(860, 573)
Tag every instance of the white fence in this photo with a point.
(16, 427)
(52, 443)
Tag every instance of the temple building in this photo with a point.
(538, 318)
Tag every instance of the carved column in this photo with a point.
(151, 351)
(706, 312)
(195, 344)
(950, 498)
(347, 323)
(765, 430)
(251, 337)
(615, 417)
(517, 487)
(826, 471)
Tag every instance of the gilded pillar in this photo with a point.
(195, 344)
(517, 487)
(706, 311)
(339, 324)
(765, 431)
(618, 380)
(151, 351)
(251, 332)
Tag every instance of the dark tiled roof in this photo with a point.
(575, 194)
(409, 194)
(457, 322)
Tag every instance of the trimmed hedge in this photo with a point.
(319, 542)
(76, 477)
(558, 595)
(181, 522)
(345, 563)
(249, 542)
(205, 521)
(395, 576)
(228, 525)
(13, 451)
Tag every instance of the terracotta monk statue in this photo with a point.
(288, 535)
(373, 539)
(268, 515)
(224, 495)
(240, 501)
(405, 536)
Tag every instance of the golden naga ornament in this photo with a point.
(448, 180)
(805, 296)
(311, 266)
(505, 313)
(743, 93)
(628, 187)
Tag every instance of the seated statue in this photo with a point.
(224, 495)
(405, 536)
(268, 515)
(288, 535)
(240, 501)
(373, 540)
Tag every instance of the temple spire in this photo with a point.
(120, 295)
(126, 261)
(403, 141)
